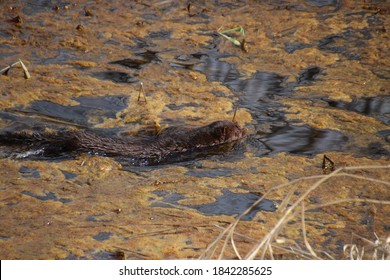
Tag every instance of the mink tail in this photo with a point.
(48, 144)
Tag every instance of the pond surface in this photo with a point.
(313, 78)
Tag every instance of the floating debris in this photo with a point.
(16, 20)
(327, 165)
(87, 12)
(193, 10)
(119, 255)
(80, 27)
(235, 42)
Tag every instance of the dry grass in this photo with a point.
(296, 208)
(378, 249)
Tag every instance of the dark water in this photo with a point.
(323, 3)
(347, 43)
(91, 110)
(304, 140)
(139, 60)
(69, 175)
(308, 75)
(102, 236)
(377, 107)
(48, 196)
(229, 203)
(63, 56)
(29, 172)
(39, 6)
(133, 64)
(117, 77)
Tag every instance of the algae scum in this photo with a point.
(307, 78)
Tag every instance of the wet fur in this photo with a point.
(170, 141)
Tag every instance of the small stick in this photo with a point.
(141, 90)
(26, 73)
(5, 70)
(234, 114)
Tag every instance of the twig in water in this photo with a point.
(141, 90)
(26, 73)
(234, 114)
(5, 70)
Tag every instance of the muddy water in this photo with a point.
(315, 80)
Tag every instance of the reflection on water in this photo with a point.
(92, 109)
(256, 87)
(216, 70)
(304, 140)
(116, 76)
(139, 60)
(346, 43)
(260, 86)
(308, 75)
(257, 93)
(62, 57)
(39, 6)
(377, 106)
(29, 172)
